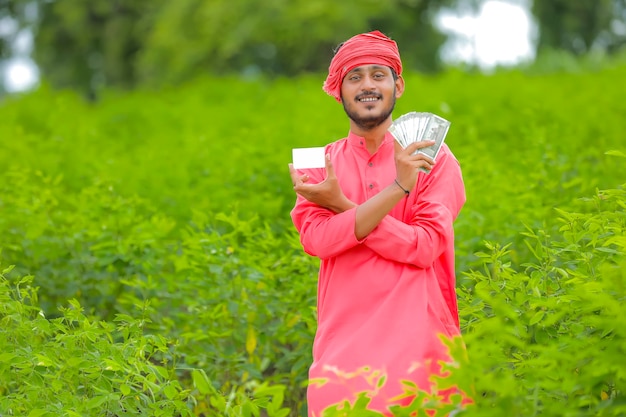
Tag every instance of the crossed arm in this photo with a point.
(329, 223)
(369, 214)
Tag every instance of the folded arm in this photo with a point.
(329, 223)
(427, 229)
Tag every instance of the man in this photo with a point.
(383, 231)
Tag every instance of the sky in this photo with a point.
(499, 33)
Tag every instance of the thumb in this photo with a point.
(330, 170)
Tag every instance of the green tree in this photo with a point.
(279, 36)
(275, 36)
(14, 17)
(89, 45)
(411, 24)
(579, 26)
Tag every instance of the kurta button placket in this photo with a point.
(370, 178)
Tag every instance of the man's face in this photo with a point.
(368, 94)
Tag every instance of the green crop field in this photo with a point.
(150, 266)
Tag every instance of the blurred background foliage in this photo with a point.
(89, 45)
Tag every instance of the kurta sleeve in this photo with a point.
(323, 233)
(427, 231)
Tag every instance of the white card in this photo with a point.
(304, 158)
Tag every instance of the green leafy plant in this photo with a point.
(169, 278)
(74, 365)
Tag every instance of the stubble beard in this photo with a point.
(370, 122)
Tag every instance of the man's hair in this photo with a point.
(393, 72)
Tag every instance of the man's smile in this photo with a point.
(368, 98)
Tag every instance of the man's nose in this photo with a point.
(368, 84)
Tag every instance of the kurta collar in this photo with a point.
(359, 141)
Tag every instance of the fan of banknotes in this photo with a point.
(418, 126)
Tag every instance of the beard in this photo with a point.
(371, 121)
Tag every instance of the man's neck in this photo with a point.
(373, 137)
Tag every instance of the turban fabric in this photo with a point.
(366, 48)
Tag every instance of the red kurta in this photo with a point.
(382, 301)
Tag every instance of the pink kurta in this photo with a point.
(382, 301)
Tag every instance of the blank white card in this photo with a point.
(304, 158)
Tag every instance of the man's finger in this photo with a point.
(419, 145)
(294, 175)
(421, 156)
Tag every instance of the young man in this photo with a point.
(383, 231)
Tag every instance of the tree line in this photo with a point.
(88, 45)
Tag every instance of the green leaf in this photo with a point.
(536, 318)
(8, 269)
(96, 402)
(201, 381)
(170, 391)
(616, 153)
(251, 340)
(283, 412)
(6, 357)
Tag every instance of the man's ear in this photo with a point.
(399, 86)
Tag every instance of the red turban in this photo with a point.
(366, 48)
